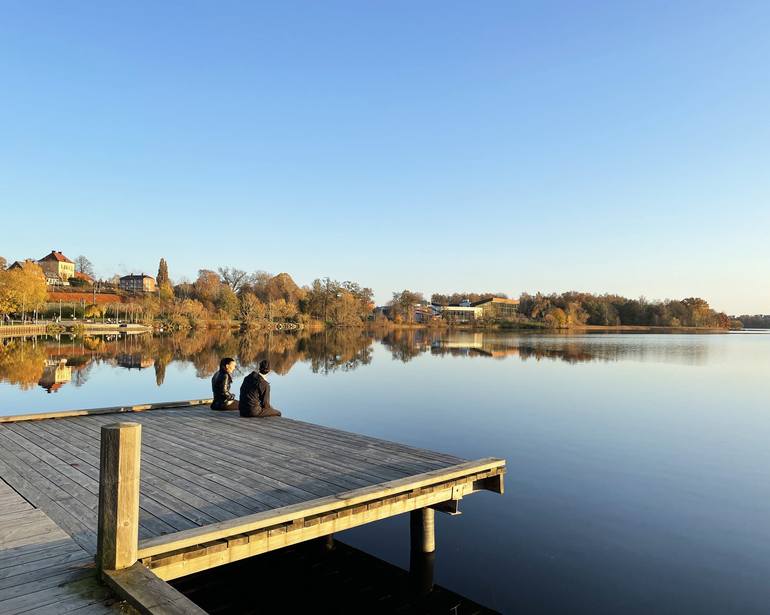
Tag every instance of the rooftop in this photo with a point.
(56, 256)
(496, 300)
(137, 275)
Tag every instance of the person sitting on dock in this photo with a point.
(220, 386)
(255, 393)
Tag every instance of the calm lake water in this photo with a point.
(638, 464)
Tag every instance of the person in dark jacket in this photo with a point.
(255, 393)
(220, 386)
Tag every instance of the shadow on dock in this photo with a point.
(311, 578)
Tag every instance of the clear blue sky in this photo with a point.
(437, 146)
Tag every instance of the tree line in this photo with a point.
(223, 295)
(756, 321)
(258, 297)
(576, 308)
(254, 298)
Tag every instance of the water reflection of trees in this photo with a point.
(404, 345)
(53, 362)
(21, 363)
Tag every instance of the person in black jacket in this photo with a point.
(255, 393)
(220, 386)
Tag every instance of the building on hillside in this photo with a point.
(497, 307)
(58, 269)
(51, 279)
(79, 275)
(425, 313)
(460, 313)
(20, 264)
(142, 283)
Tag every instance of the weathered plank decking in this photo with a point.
(42, 570)
(216, 487)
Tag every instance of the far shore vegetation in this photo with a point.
(251, 301)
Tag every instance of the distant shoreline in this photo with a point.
(543, 329)
(648, 328)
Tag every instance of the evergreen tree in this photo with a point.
(162, 272)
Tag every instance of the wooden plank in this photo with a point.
(98, 608)
(257, 521)
(180, 446)
(264, 464)
(108, 607)
(86, 459)
(162, 499)
(49, 581)
(207, 453)
(324, 438)
(42, 570)
(180, 421)
(44, 562)
(48, 569)
(85, 588)
(36, 528)
(299, 466)
(357, 455)
(50, 498)
(311, 463)
(10, 508)
(11, 559)
(149, 594)
(109, 410)
(37, 471)
(94, 603)
(159, 507)
(378, 443)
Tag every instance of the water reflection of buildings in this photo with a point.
(474, 343)
(52, 362)
(55, 375)
(134, 360)
(577, 348)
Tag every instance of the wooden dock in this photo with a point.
(24, 330)
(42, 570)
(180, 489)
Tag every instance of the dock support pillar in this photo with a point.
(421, 572)
(329, 542)
(118, 534)
(422, 530)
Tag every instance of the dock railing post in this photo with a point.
(118, 537)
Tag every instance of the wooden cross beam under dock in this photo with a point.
(166, 490)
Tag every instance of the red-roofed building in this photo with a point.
(58, 268)
(85, 277)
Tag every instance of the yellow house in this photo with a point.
(56, 266)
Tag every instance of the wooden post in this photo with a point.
(422, 530)
(118, 537)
